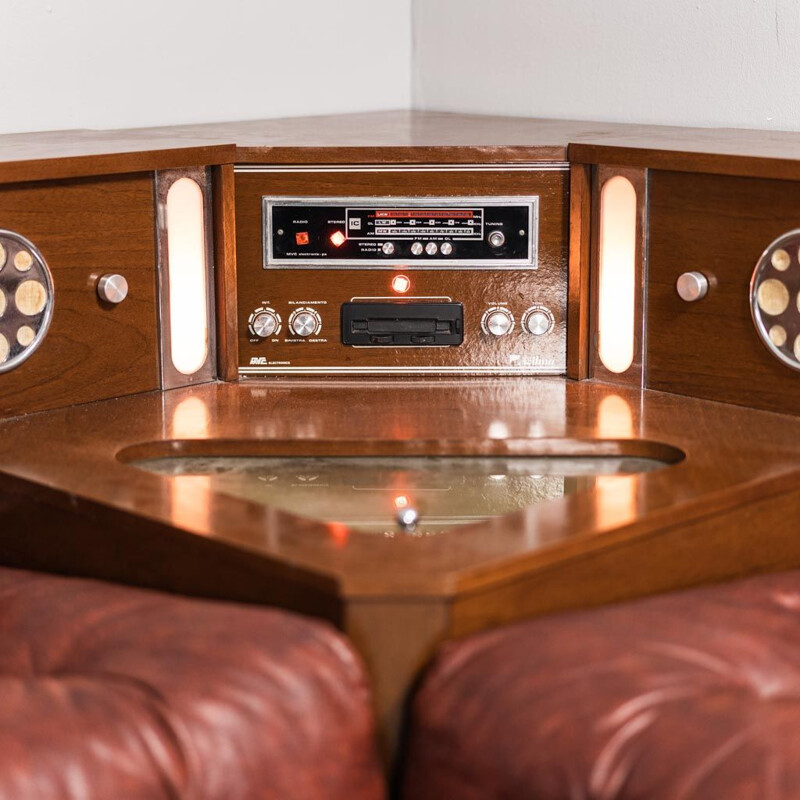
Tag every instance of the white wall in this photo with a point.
(685, 62)
(133, 63)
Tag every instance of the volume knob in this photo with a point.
(265, 323)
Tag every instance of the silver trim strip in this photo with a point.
(254, 371)
(534, 166)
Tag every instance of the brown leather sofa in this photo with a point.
(109, 693)
(689, 696)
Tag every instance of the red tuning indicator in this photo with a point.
(301, 238)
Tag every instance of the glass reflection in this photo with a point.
(366, 493)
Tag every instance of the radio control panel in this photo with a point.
(397, 283)
(429, 232)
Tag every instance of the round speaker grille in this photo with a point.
(775, 298)
(26, 299)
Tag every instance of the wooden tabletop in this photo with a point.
(403, 137)
(733, 457)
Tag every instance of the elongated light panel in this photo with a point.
(617, 274)
(186, 248)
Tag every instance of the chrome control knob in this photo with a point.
(692, 286)
(497, 321)
(538, 320)
(417, 248)
(446, 249)
(112, 288)
(497, 239)
(388, 248)
(265, 323)
(305, 322)
(431, 248)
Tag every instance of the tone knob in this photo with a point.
(431, 248)
(305, 322)
(112, 288)
(692, 286)
(446, 248)
(416, 248)
(265, 323)
(497, 239)
(498, 321)
(388, 248)
(538, 320)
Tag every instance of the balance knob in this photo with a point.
(304, 322)
(538, 320)
(498, 321)
(265, 323)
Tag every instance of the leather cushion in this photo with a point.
(689, 696)
(110, 692)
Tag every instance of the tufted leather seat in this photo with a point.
(109, 693)
(690, 696)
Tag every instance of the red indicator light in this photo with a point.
(301, 238)
(401, 501)
(338, 238)
(401, 284)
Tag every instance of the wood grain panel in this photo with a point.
(580, 219)
(719, 226)
(225, 271)
(84, 229)
(478, 290)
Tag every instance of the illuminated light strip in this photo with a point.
(616, 311)
(186, 260)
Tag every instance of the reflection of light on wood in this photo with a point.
(614, 418)
(190, 419)
(338, 532)
(190, 500)
(190, 494)
(615, 499)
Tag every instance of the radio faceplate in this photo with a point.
(442, 233)
(471, 306)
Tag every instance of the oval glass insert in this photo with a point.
(368, 493)
(775, 298)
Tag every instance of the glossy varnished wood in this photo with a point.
(84, 229)
(51, 155)
(477, 290)
(536, 415)
(223, 187)
(580, 215)
(718, 226)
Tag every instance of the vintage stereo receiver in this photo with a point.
(400, 282)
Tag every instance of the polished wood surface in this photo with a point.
(520, 415)
(399, 137)
(51, 155)
(430, 136)
(718, 226)
(478, 290)
(225, 293)
(580, 217)
(93, 350)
